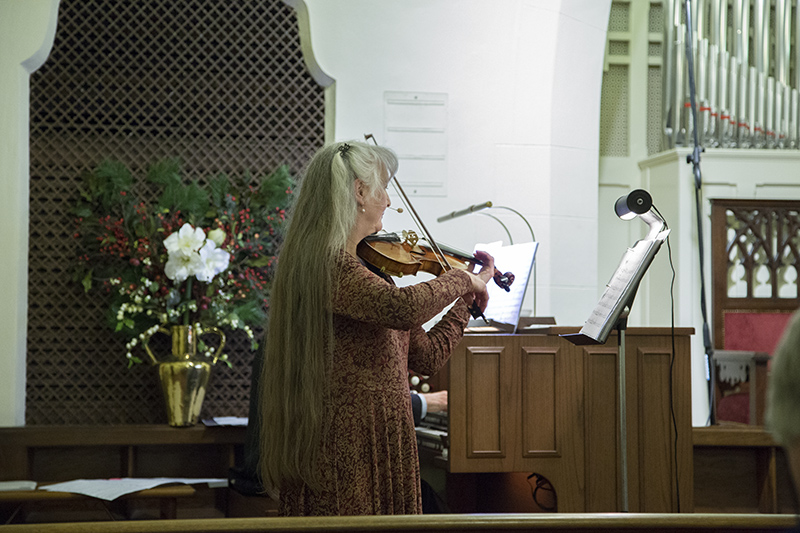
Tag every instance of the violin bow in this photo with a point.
(473, 309)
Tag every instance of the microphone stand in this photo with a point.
(478, 208)
(508, 233)
(694, 160)
(622, 325)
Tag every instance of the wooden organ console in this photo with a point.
(524, 403)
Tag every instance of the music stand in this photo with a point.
(614, 306)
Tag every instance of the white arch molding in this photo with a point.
(27, 31)
(304, 29)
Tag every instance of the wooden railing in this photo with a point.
(541, 523)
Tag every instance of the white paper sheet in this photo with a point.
(226, 421)
(505, 307)
(17, 485)
(111, 489)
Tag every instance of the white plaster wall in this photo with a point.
(523, 81)
(27, 30)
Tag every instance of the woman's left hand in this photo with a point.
(480, 292)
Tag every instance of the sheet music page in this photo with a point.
(111, 489)
(630, 271)
(505, 307)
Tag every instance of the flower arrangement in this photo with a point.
(199, 255)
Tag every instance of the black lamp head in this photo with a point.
(636, 202)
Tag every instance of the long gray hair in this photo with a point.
(299, 343)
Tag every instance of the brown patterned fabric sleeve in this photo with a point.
(428, 351)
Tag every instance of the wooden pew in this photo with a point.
(48, 454)
(167, 498)
(498, 523)
(740, 469)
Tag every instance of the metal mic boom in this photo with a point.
(467, 211)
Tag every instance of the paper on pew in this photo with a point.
(111, 489)
(225, 421)
(17, 485)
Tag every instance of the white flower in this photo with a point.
(217, 235)
(190, 254)
(186, 241)
(214, 261)
(179, 266)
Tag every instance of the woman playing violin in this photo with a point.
(337, 434)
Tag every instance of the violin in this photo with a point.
(399, 257)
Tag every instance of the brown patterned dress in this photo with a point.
(369, 462)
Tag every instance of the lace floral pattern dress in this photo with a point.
(369, 462)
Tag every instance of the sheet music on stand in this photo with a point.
(619, 291)
(504, 307)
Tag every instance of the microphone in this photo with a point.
(467, 211)
(399, 209)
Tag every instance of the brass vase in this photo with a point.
(183, 376)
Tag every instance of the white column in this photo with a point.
(27, 30)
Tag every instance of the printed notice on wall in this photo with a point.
(415, 127)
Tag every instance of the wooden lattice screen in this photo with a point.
(755, 247)
(222, 86)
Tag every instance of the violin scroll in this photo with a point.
(503, 281)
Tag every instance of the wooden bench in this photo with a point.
(496, 523)
(740, 469)
(63, 453)
(167, 496)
